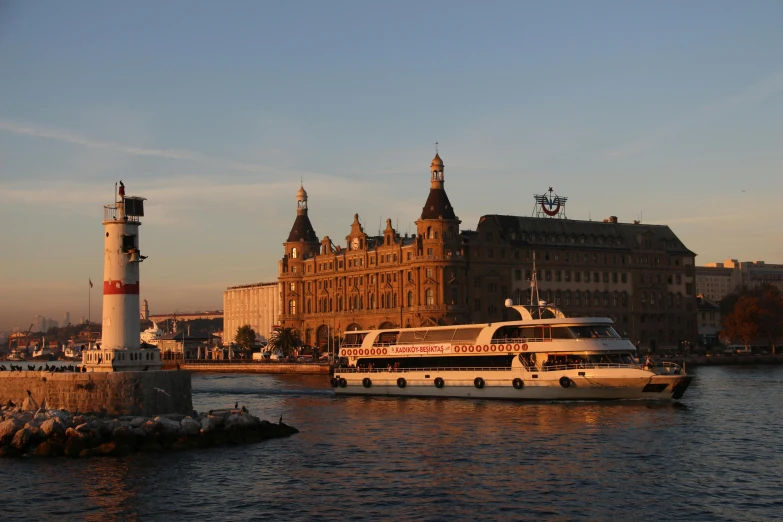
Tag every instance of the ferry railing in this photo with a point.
(580, 366)
(408, 370)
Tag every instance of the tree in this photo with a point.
(771, 315)
(760, 305)
(245, 338)
(742, 322)
(285, 340)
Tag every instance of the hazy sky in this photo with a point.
(668, 111)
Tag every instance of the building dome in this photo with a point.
(302, 194)
(437, 162)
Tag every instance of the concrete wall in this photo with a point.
(121, 393)
(256, 367)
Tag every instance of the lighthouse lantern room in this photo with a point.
(120, 348)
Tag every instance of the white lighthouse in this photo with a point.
(120, 348)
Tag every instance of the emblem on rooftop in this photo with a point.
(549, 204)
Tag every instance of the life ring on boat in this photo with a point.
(366, 382)
(439, 382)
(486, 347)
(470, 348)
(456, 349)
(478, 382)
(333, 382)
(517, 383)
(516, 347)
(565, 382)
(524, 347)
(384, 351)
(401, 383)
(342, 382)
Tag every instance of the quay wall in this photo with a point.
(146, 394)
(255, 367)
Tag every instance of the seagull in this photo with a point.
(281, 420)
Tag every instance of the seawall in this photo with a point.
(119, 393)
(255, 367)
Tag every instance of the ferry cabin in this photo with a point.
(594, 343)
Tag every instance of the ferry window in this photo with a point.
(600, 331)
(561, 333)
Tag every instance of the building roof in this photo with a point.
(436, 161)
(302, 229)
(438, 205)
(522, 230)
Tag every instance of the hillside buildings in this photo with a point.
(639, 275)
(716, 280)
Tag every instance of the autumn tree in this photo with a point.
(245, 338)
(285, 340)
(770, 319)
(743, 321)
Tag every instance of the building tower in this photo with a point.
(120, 337)
(438, 241)
(145, 311)
(301, 244)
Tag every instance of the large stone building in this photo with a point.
(641, 276)
(715, 280)
(257, 305)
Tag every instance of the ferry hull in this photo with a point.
(551, 388)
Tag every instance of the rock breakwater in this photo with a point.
(31, 431)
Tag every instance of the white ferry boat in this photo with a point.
(542, 356)
(152, 335)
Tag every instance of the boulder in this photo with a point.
(21, 438)
(53, 426)
(149, 427)
(7, 430)
(74, 446)
(78, 419)
(44, 449)
(167, 427)
(190, 426)
(207, 424)
(138, 421)
(29, 404)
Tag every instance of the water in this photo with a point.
(714, 456)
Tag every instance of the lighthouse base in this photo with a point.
(122, 359)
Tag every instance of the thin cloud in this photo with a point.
(76, 138)
(749, 96)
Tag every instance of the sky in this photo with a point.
(668, 112)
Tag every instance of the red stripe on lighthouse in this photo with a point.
(117, 287)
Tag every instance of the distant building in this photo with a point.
(257, 305)
(716, 280)
(709, 321)
(66, 319)
(639, 275)
(145, 311)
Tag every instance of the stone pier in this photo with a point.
(117, 393)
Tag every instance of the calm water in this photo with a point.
(715, 456)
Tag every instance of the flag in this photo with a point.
(90, 282)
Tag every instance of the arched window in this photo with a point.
(340, 303)
(394, 300)
(292, 307)
(429, 232)
(383, 300)
(410, 298)
(587, 298)
(294, 253)
(309, 306)
(577, 298)
(568, 297)
(429, 297)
